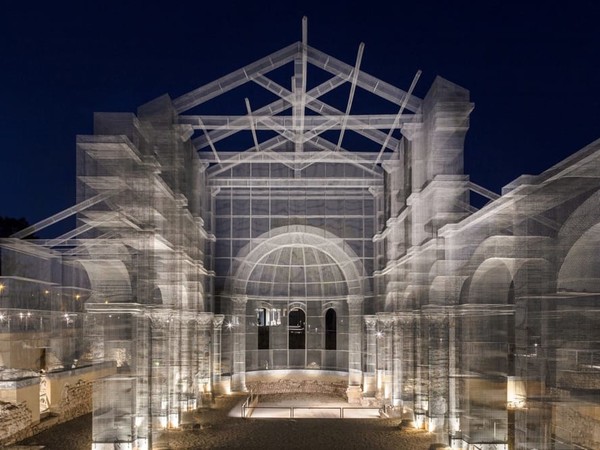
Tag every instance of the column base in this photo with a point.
(222, 386)
(369, 385)
(354, 394)
(238, 382)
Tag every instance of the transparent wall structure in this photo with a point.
(323, 226)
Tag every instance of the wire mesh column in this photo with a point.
(369, 383)
(216, 353)
(355, 303)
(238, 378)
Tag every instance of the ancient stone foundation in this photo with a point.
(297, 386)
(16, 419)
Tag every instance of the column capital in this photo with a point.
(160, 319)
(386, 319)
(370, 322)
(218, 321)
(204, 319)
(406, 316)
(239, 300)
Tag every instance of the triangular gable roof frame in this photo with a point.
(298, 128)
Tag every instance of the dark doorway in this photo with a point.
(263, 329)
(330, 330)
(297, 325)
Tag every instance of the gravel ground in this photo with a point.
(213, 428)
(75, 434)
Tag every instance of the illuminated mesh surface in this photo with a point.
(297, 271)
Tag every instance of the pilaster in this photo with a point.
(355, 303)
(238, 378)
(369, 377)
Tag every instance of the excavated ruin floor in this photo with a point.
(214, 428)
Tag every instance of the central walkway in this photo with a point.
(215, 428)
(303, 406)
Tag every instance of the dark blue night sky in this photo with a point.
(533, 69)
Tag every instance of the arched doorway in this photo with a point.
(297, 338)
(263, 322)
(330, 330)
(330, 353)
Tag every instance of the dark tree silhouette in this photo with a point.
(10, 225)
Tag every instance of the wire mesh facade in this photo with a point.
(301, 235)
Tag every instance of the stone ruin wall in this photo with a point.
(76, 401)
(291, 386)
(15, 420)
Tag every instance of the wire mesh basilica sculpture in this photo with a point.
(299, 236)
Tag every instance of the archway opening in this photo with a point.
(296, 338)
(297, 329)
(263, 322)
(330, 330)
(294, 275)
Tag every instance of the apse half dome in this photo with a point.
(296, 271)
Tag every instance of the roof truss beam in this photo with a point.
(291, 183)
(234, 122)
(87, 226)
(63, 214)
(389, 135)
(237, 78)
(320, 107)
(355, 73)
(215, 136)
(271, 109)
(321, 143)
(266, 147)
(291, 136)
(358, 159)
(364, 80)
